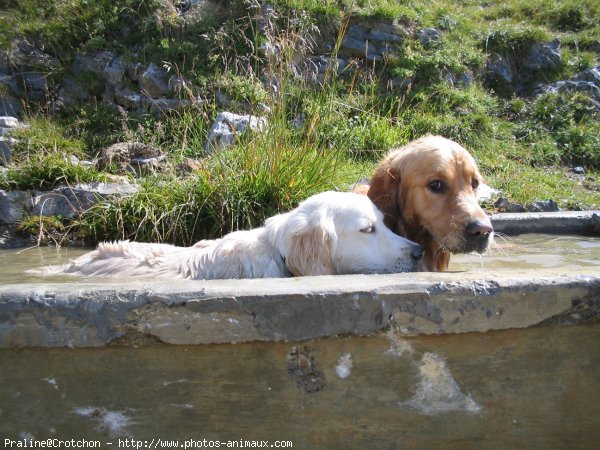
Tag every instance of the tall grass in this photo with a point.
(237, 187)
(320, 135)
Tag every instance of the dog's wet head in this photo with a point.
(428, 192)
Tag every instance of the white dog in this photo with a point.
(329, 233)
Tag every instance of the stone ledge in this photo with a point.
(561, 222)
(90, 314)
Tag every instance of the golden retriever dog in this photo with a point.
(428, 192)
(327, 234)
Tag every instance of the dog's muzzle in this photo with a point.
(478, 236)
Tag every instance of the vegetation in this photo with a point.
(322, 135)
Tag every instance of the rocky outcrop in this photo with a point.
(517, 72)
(587, 82)
(64, 201)
(134, 157)
(228, 128)
(7, 143)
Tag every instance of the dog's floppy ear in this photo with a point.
(384, 189)
(305, 242)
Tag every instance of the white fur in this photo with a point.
(329, 233)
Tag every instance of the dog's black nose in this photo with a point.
(417, 252)
(479, 228)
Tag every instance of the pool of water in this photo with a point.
(533, 251)
(532, 388)
(528, 251)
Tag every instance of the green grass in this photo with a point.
(525, 146)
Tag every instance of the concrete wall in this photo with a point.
(200, 312)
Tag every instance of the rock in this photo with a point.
(65, 202)
(12, 84)
(591, 75)
(189, 166)
(228, 126)
(6, 146)
(127, 98)
(499, 74)
(587, 81)
(387, 32)
(154, 81)
(23, 54)
(401, 83)
(134, 71)
(134, 157)
(427, 36)
(315, 68)
(570, 86)
(167, 104)
(178, 84)
(486, 192)
(464, 79)
(356, 43)
(9, 122)
(505, 205)
(299, 121)
(71, 201)
(10, 239)
(35, 82)
(9, 105)
(543, 56)
(268, 50)
(12, 205)
(543, 206)
(72, 92)
(578, 170)
(114, 71)
(358, 48)
(94, 63)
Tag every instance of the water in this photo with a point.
(529, 251)
(533, 388)
(533, 251)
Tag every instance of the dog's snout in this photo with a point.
(417, 252)
(479, 228)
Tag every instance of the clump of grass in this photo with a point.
(46, 230)
(64, 26)
(238, 188)
(46, 156)
(46, 173)
(562, 129)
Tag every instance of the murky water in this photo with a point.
(533, 251)
(537, 388)
(533, 388)
(529, 251)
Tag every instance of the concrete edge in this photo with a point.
(295, 309)
(562, 222)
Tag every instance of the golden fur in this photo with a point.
(427, 191)
(327, 234)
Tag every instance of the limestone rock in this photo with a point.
(154, 81)
(228, 126)
(11, 206)
(133, 157)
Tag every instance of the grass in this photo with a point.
(320, 136)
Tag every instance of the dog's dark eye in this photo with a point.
(436, 186)
(475, 183)
(369, 229)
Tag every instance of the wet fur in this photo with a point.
(323, 236)
(399, 188)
